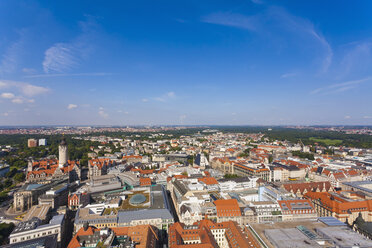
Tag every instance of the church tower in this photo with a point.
(29, 165)
(62, 153)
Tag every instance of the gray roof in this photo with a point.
(344, 236)
(33, 186)
(331, 221)
(128, 216)
(360, 185)
(180, 187)
(237, 179)
(159, 198)
(26, 225)
(367, 227)
(58, 219)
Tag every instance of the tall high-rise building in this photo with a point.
(42, 142)
(32, 143)
(63, 157)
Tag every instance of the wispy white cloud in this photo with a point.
(171, 94)
(367, 117)
(18, 100)
(358, 58)
(29, 70)
(340, 87)
(327, 61)
(232, 20)
(288, 75)
(301, 26)
(159, 99)
(64, 56)
(273, 21)
(145, 100)
(72, 106)
(102, 113)
(32, 90)
(60, 57)
(7, 95)
(168, 96)
(25, 90)
(347, 117)
(9, 60)
(95, 74)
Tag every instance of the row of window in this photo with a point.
(15, 240)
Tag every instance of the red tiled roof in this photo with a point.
(226, 208)
(208, 180)
(179, 235)
(144, 181)
(311, 186)
(338, 204)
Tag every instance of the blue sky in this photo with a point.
(245, 62)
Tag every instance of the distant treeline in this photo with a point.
(307, 136)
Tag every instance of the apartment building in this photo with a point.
(32, 229)
(343, 205)
(206, 233)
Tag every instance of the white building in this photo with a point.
(267, 211)
(32, 229)
(236, 184)
(42, 142)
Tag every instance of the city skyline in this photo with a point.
(246, 62)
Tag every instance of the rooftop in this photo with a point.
(331, 221)
(38, 211)
(128, 216)
(361, 185)
(344, 236)
(289, 237)
(261, 228)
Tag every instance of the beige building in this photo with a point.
(32, 143)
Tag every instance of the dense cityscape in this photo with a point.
(184, 187)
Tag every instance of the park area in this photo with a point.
(327, 142)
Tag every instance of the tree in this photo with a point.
(8, 182)
(300, 154)
(230, 176)
(271, 159)
(190, 160)
(11, 173)
(5, 230)
(19, 177)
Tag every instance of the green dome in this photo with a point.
(137, 199)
